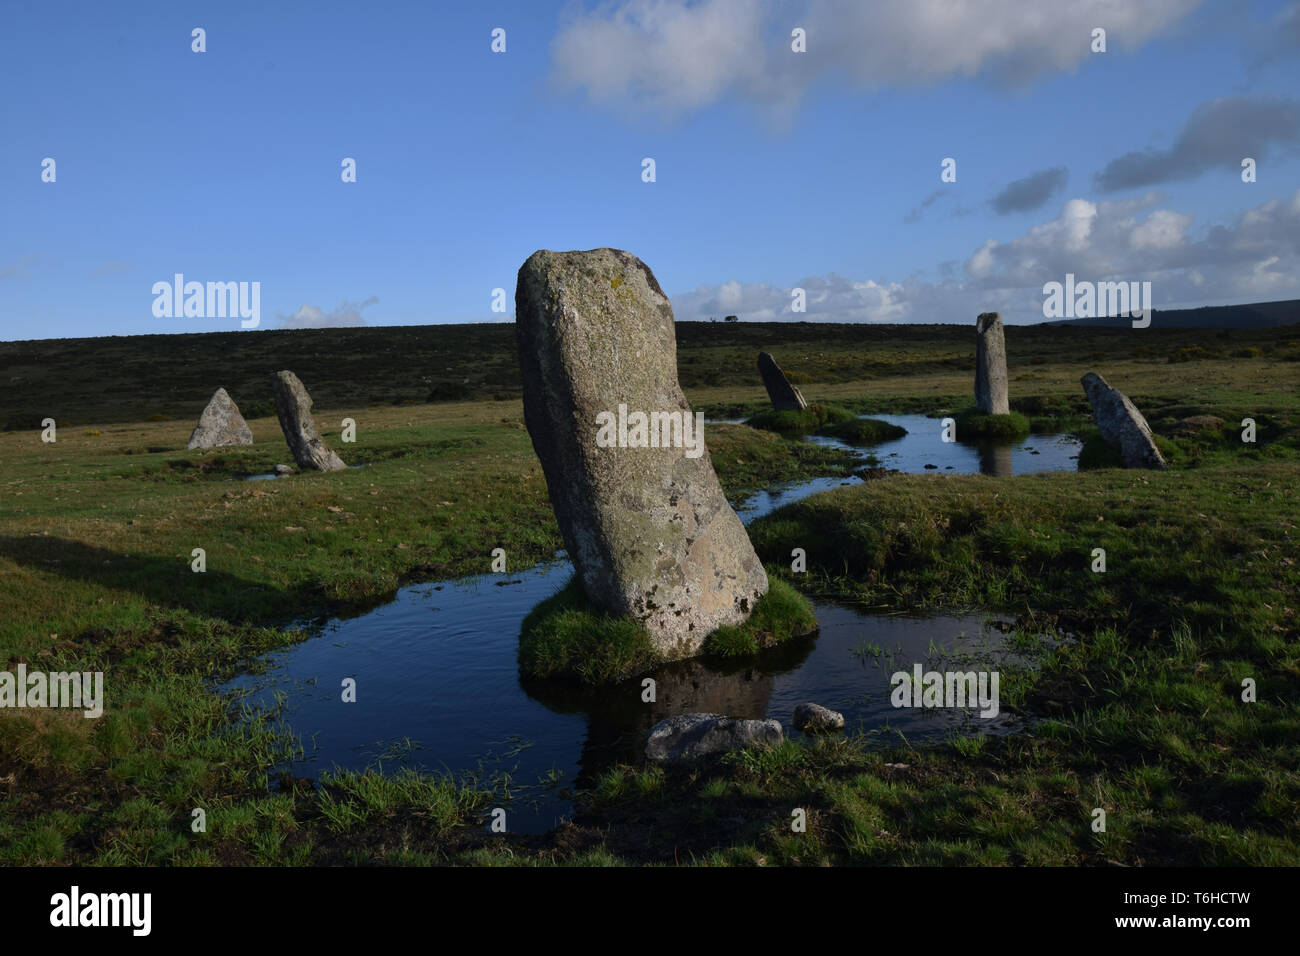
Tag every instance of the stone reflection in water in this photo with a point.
(995, 460)
(619, 717)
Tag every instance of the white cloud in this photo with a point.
(675, 56)
(1256, 257)
(1163, 229)
(310, 317)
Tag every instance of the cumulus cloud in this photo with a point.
(310, 317)
(676, 56)
(1256, 257)
(1218, 134)
(1031, 192)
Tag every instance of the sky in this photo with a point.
(774, 169)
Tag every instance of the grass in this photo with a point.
(976, 426)
(1140, 714)
(565, 637)
(864, 431)
(781, 614)
(804, 421)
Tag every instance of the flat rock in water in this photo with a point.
(784, 396)
(293, 406)
(220, 424)
(816, 719)
(990, 365)
(1121, 424)
(642, 514)
(689, 737)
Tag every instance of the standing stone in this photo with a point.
(648, 528)
(220, 424)
(785, 397)
(293, 405)
(1121, 424)
(990, 365)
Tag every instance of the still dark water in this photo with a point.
(923, 445)
(438, 689)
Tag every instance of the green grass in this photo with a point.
(1140, 713)
(565, 637)
(806, 421)
(864, 431)
(976, 426)
(781, 614)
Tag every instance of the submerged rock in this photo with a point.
(293, 406)
(816, 719)
(642, 514)
(689, 737)
(220, 424)
(784, 396)
(1121, 424)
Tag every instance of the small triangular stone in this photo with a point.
(220, 424)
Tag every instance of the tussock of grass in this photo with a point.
(782, 613)
(565, 637)
(864, 431)
(973, 425)
(811, 419)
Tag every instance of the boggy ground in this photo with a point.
(1142, 716)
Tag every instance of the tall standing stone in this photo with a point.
(293, 406)
(990, 365)
(648, 528)
(220, 424)
(1121, 424)
(785, 397)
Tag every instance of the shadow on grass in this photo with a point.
(164, 581)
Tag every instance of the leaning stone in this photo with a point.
(785, 397)
(816, 719)
(1121, 424)
(990, 365)
(648, 528)
(293, 406)
(220, 424)
(689, 737)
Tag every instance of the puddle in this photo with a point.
(437, 688)
(923, 445)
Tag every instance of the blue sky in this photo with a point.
(774, 169)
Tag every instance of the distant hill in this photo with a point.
(1255, 315)
(155, 377)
